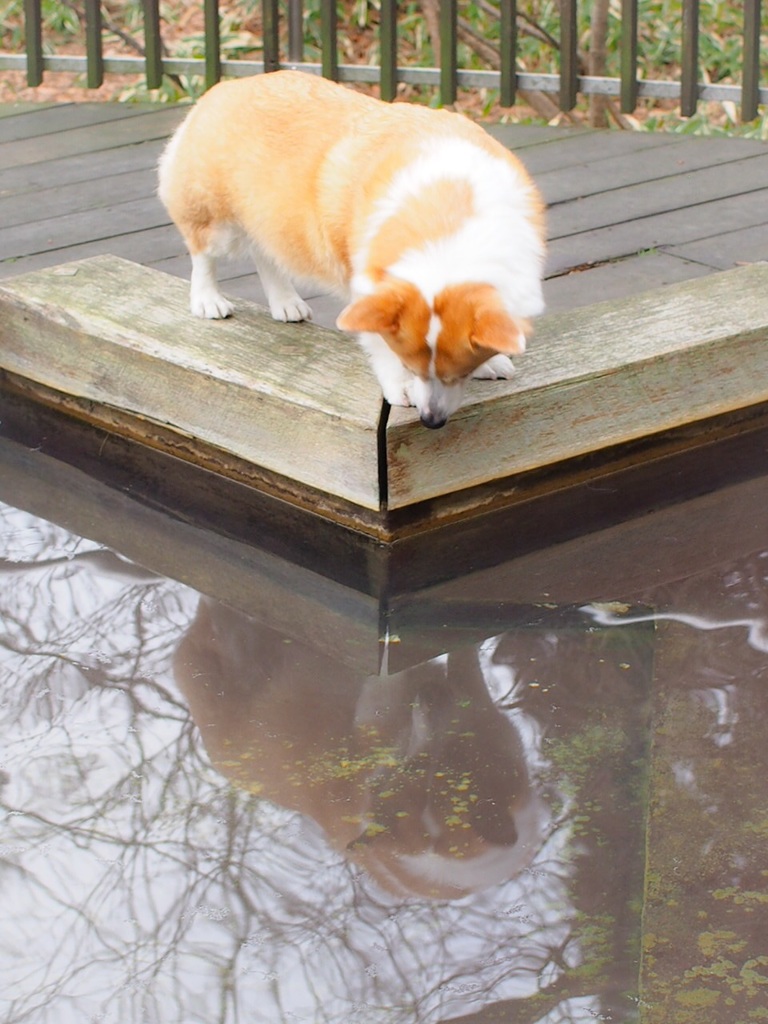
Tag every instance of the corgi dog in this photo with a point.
(431, 230)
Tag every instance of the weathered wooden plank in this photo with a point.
(619, 279)
(568, 147)
(81, 169)
(301, 402)
(238, 278)
(596, 377)
(609, 167)
(727, 250)
(19, 107)
(64, 200)
(159, 248)
(517, 136)
(691, 189)
(296, 400)
(672, 227)
(62, 117)
(144, 245)
(179, 264)
(109, 221)
(140, 128)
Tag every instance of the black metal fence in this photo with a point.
(448, 77)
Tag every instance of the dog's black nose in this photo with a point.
(432, 421)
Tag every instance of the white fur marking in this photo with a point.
(394, 379)
(433, 333)
(499, 245)
(498, 367)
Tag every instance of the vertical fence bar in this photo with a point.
(33, 35)
(508, 33)
(153, 46)
(388, 49)
(295, 31)
(569, 55)
(94, 51)
(270, 26)
(628, 56)
(328, 39)
(750, 75)
(212, 42)
(689, 83)
(448, 42)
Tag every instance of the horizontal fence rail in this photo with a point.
(448, 77)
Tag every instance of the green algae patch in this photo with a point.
(705, 919)
(700, 998)
(597, 771)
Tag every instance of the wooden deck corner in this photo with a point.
(295, 409)
(294, 400)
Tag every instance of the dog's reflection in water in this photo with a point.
(416, 776)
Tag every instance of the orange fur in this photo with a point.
(421, 219)
(304, 208)
(473, 312)
(397, 311)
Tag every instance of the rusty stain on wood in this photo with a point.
(299, 404)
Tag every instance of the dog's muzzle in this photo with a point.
(433, 420)
(436, 401)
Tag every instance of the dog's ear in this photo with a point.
(495, 329)
(381, 311)
(476, 312)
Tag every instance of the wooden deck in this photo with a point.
(628, 211)
(629, 215)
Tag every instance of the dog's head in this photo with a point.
(441, 345)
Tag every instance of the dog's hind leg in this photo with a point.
(205, 299)
(284, 301)
(207, 242)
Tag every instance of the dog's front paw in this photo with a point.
(290, 310)
(210, 305)
(498, 367)
(406, 393)
(398, 392)
(399, 396)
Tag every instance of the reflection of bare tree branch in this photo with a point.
(102, 561)
(516, 1011)
(141, 876)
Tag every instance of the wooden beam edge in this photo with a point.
(601, 376)
(217, 401)
(566, 403)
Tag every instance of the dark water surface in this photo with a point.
(236, 789)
